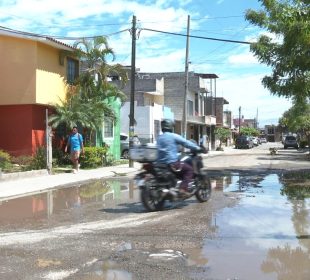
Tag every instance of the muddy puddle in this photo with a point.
(71, 204)
(266, 235)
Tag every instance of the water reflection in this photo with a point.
(268, 230)
(46, 204)
(107, 270)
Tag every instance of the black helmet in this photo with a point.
(167, 125)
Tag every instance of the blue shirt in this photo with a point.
(168, 147)
(75, 141)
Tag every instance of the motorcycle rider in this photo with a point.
(168, 148)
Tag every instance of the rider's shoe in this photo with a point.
(191, 187)
(184, 192)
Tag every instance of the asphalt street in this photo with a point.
(77, 232)
(231, 158)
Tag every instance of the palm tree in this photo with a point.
(87, 102)
(93, 82)
(93, 55)
(69, 113)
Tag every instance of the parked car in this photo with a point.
(255, 141)
(290, 141)
(263, 140)
(244, 142)
(124, 138)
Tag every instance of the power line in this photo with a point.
(58, 37)
(222, 45)
(197, 37)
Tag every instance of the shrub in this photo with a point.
(22, 162)
(303, 144)
(93, 157)
(38, 160)
(60, 157)
(5, 160)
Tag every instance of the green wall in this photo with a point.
(114, 142)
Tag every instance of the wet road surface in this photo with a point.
(255, 226)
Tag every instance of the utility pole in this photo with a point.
(48, 142)
(215, 98)
(132, 87)
(184, 121)
(239, 118)
(256, 118)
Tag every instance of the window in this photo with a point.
(190, 108)
(270, 130)
(108, 129)
(72, 70)
(156, 128)
(196, 104)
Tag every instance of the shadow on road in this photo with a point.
(288, 155)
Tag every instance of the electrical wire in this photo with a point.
(59, 37)
(197, 37)
(222, 45)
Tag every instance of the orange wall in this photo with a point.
(50, 75)
(17, 71)
(30, 72)
(22, 128)
(31, 79)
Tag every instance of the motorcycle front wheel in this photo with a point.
(152, 200)
(203, 185)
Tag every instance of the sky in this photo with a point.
(238, 70)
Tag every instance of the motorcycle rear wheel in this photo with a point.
(150, 201)
(203, 185)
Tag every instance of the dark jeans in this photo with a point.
(186, 172)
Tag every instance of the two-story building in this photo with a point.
(149, 108)
(204, 109)
(33, 75)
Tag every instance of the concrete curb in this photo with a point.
(22, 186)
(21, 175)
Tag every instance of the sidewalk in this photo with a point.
(43, 181)
(37, 181)
(40, 180)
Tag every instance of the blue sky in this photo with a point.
(238, 70)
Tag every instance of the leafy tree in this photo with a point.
(87, 102)
(69, 112)
(249, 131)
(297, 119)
(93, 81)
(222, 134)
(289, 56)
(93, 84)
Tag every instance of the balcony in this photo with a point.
(203, 120)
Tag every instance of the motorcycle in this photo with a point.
(159, 182)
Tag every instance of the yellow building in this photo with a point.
(33, 75)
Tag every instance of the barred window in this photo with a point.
(108, 129)
(72, 70)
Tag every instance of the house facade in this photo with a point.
(245, 122)
(33, 76)
(198, 122)
(149, 108)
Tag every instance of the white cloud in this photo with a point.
(243, 58)
(237, 68)
(248, 92)
(168, 62)
(27, 13)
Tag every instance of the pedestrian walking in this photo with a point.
(75, 142)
